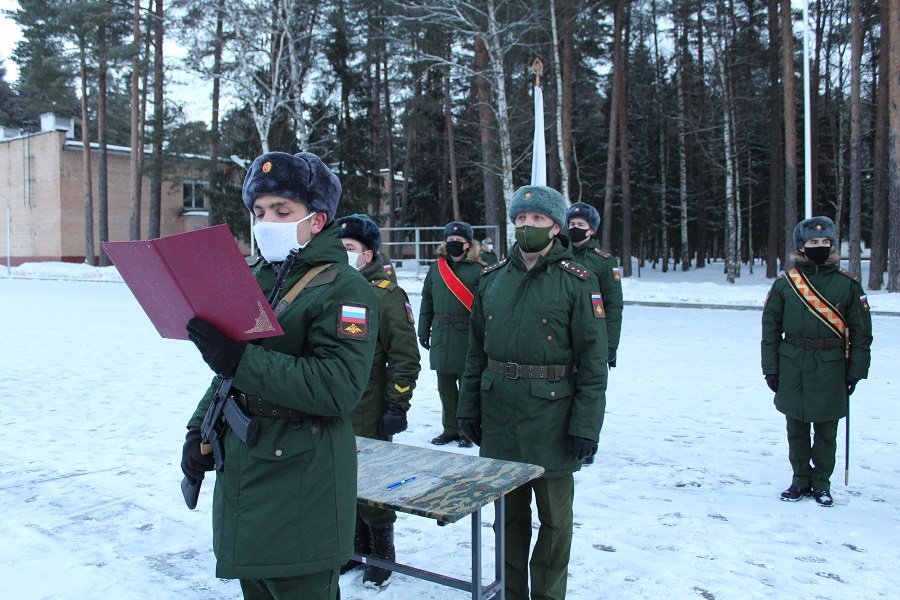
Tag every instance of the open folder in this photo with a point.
(202, 274)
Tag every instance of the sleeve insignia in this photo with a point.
(575, 269)
(864, 300)
(409, 313)
(597, 306)
(617, 274)
(353, 322)
(389, 269)
(402, 389)
(494, 266)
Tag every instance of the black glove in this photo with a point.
(393, 420)
(220, 352)
(611, 361)
(772, 382)
(471, 428)
(851, 385)
(425, 340)
(581, 448)
(194, 464)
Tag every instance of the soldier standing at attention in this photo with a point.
(534, 384)
(444, 319)
(816, 339)
(488, 255)
(283, 509)
(382, 411)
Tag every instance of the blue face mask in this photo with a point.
(277, 240)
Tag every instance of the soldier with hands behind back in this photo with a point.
(382, 411)
(444, 319)
(534, 384)
(284, 507)
(816, 339)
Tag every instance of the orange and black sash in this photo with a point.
(457, 287)
(820, 307)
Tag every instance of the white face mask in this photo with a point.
(276, 240)
(353, 258)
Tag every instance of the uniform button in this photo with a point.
(549, 338)
(490, 317)
(544, 321)
(278, 453)
(553, 394)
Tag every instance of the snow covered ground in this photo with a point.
(682, 502)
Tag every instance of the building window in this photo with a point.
(194, 192)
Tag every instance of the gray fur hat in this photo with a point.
(582, 210)
(361, 228)
(815, 227)
(301, 177)
(460, 228)
(540, 199)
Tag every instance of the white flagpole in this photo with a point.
(539, 150)
(807, 128)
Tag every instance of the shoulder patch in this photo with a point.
(353, 322)
(575, 269)
(597, 306)
(494, 266)
(409, 313)
(602, 253)
(617, 274)
(852, 276)
(864, 302)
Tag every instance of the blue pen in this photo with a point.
(396, 484)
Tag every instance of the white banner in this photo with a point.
(539, 156)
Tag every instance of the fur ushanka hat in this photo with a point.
(582, 210)
(815, 227)
(301, 177)
(460, 228)
(362, 229)
(540, 199)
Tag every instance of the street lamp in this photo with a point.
(244, 164)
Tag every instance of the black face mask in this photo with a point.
(455, 248)
(578, 235)
(818, 254)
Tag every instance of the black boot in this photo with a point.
(794, 493)
(360, 545)
(383, 548)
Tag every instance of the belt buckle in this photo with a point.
(512, 370)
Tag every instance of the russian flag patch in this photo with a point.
(353, 322)
(597, 304)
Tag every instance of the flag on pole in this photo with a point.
(539, 151)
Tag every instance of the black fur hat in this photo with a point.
(362, 229)
(301, 177)
(460, 228)
(582, 210)
(815, 227)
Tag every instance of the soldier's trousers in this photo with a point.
(448, 389)
(315, 586)
(820, 452)
(550, 560)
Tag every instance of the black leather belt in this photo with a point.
(257, 407)
(818, 344)
(513, 370)
(445, 318)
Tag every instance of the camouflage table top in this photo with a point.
(432, 483)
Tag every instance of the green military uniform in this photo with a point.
(606, 268)
(549, 316)
(285, 507)
(810, 364)
(445, 319)
(394, 370)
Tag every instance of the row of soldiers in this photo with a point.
(522, 350)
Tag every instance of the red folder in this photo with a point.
(202, 274)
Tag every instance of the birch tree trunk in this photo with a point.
(560, 134)
(663, 157)
(389, 144)
(790, 128)
(682, 153)
(495, 49)
(213, 180)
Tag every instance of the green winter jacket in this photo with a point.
(287, 506)
(443, 317)
(396, 365)
(812, 382)
(605, 267)
(542, 316)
